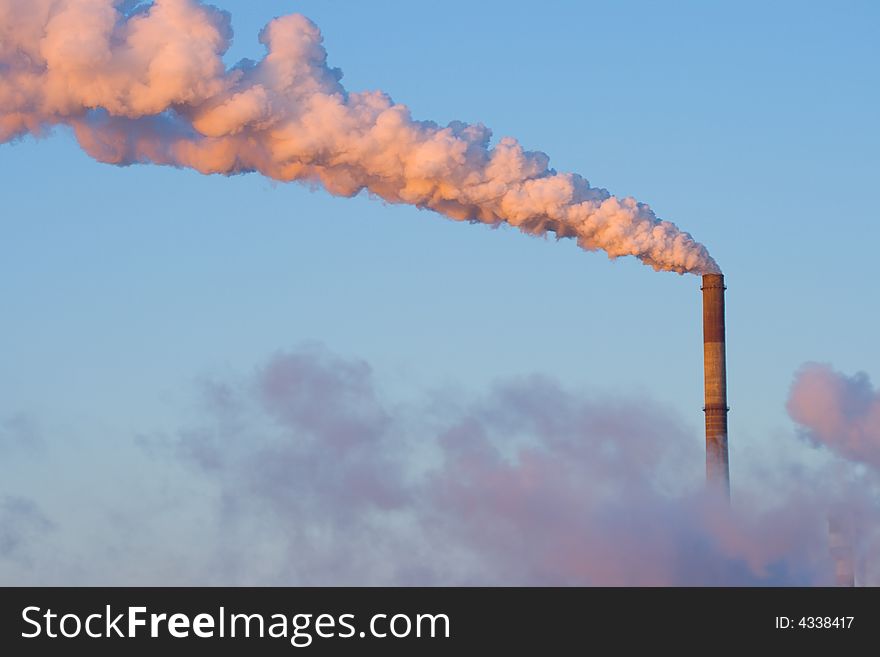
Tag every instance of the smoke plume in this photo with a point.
(838, 411)
(146, 83)
(321, 480)
(305, 471)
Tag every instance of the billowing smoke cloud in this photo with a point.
(838, 411)
(145, 82)
(321, 481)
(305, 472)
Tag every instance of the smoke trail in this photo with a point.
(142, 82)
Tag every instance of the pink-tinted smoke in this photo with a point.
(838, 411)
(527, 483)
(145, 82)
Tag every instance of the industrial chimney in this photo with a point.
(840, 544)
(715, 372)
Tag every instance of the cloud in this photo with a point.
(147, 84)
(304, 472)
(837, 411)
(21, 524)
(320, 481)
(19, 434)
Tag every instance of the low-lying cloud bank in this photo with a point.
(303, 472)
(322, 481)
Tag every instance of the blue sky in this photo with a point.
(751, 125)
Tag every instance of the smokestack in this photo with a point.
(840, 544)
(715, 372)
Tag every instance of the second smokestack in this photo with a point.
(715, 371)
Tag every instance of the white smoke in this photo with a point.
(146, 83)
